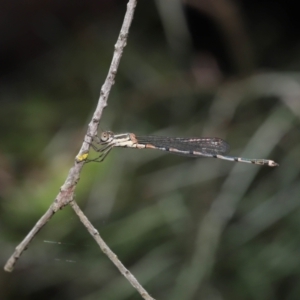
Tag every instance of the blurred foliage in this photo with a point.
(186, 228)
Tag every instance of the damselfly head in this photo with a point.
(106, 135)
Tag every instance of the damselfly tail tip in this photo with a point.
(272, 163)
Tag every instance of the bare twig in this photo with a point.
(110, 79)
(111, 255)
(63, 198)
(66, 194)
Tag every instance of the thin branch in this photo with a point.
(63, 198)
(110, 79)
(111, 255)
(66, 194)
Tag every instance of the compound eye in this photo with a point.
(104, 136)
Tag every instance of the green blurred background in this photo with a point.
(186, 228)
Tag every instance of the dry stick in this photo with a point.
(63, 198)
(66, 194)
(111, 255)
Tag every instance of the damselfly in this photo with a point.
(193, 147)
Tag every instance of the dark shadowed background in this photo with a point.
(187, 228)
